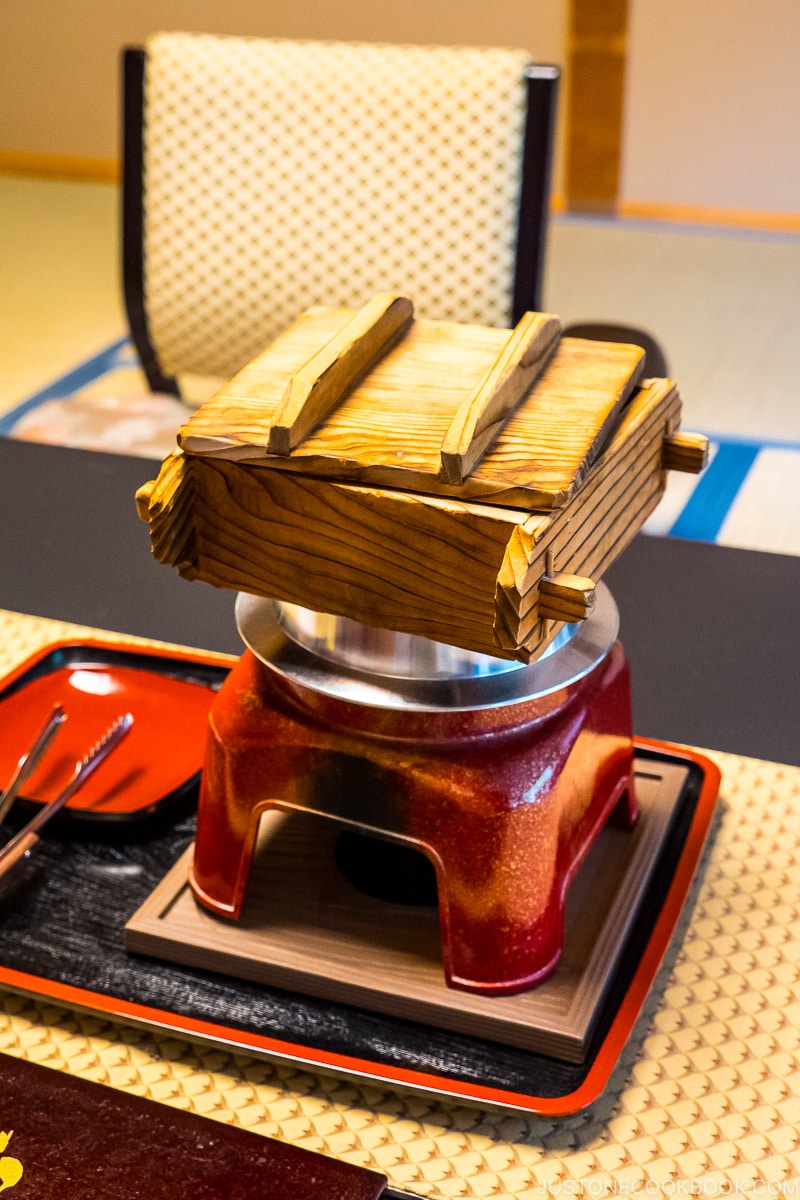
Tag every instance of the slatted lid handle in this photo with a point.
(322, 382)
(483, 414)
(564, 597)
(685, 452)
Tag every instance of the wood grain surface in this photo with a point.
(322, 382)
(390, 429)
(686, 452)
(619, 494)
(480, 418)
(463, 573)
(439, 491)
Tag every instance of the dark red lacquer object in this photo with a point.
(504, 798)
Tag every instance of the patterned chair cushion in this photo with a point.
(283, 174)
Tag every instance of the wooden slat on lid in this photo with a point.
(322, 382)
(480, 418)
(390, 428)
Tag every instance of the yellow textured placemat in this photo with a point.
(704, 1101)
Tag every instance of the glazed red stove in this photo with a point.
(502, 774)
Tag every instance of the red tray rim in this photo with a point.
(133, 649)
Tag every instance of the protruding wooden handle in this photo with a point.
(482, 415)
(685, 452)
(565, 597)
(322, 382)
(143, 496)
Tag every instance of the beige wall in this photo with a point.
(712, 87)
(59, 85)
(712, 114)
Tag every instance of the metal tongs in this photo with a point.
(23, 842)
(31, 759)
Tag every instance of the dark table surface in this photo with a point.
(712, 633)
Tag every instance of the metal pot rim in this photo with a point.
(285, 643)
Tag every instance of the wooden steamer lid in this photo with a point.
(456, 482)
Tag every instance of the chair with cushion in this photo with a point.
(265, 176)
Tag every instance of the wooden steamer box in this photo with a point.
(468, 485)
(463, 483)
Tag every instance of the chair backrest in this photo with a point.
(264, 176)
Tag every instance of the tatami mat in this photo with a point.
(723, 304)
(61, 301)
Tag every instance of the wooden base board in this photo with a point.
(304, 928)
